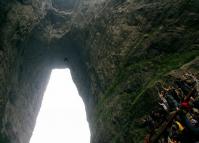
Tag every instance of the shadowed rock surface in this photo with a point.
(117, 50)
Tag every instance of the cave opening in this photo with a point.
(62, 116)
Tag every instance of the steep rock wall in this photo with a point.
(116, 50)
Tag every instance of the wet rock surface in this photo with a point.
(63, 5)
(117, 50)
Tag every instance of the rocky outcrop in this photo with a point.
(117, 50)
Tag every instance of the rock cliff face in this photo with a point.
(117, 50)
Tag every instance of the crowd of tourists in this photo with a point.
(176, 117)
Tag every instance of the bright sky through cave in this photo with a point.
(62, 117)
